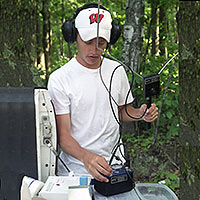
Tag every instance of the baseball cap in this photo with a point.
(87, 21)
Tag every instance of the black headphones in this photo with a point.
(69, 30)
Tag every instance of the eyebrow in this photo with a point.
(100, 40)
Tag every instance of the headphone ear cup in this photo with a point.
(69, 31)
(115, 33)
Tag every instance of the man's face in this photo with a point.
(88, 54)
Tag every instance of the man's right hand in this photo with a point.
(97, 166)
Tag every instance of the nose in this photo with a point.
(94, 47)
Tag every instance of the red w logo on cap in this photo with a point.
(94, 18)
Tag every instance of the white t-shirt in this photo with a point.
(80, 91)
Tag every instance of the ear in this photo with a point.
(69, 31)
(115, 33)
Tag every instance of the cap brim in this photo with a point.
(89, 34)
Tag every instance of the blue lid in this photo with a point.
(83, 180)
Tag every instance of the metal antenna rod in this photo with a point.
(167, 63)
(113, 58)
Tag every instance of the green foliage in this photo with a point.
(141, 143)
(59, 63)
(170, 179)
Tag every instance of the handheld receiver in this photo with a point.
(151, 87)
(121, 181)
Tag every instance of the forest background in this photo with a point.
(32, 47)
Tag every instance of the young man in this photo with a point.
(87, 128)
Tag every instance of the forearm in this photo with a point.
(66, 141)
(129, 114)
(72, 147)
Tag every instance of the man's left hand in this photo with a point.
(151, 114)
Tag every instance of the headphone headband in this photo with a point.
(86, 6)
(70, 32)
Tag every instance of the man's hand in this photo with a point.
(151, 114)
(97, 166)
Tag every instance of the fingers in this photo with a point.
(101, 174)
(151, 114)
(143, 107)
(98, 167)
(104, 168)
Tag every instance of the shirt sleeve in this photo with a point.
(59, 97)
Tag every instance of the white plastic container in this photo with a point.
(34, 186)
(154, 191)
(60, 187)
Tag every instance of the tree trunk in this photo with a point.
(62, 21)
(17, 37)
(46, 38)
(133, 44)
(133, 34)
(163, 30)
(189, 101)
(38, 38)
(154, 6)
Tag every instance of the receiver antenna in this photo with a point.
(167, 63)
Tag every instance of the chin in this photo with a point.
(92, 63)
